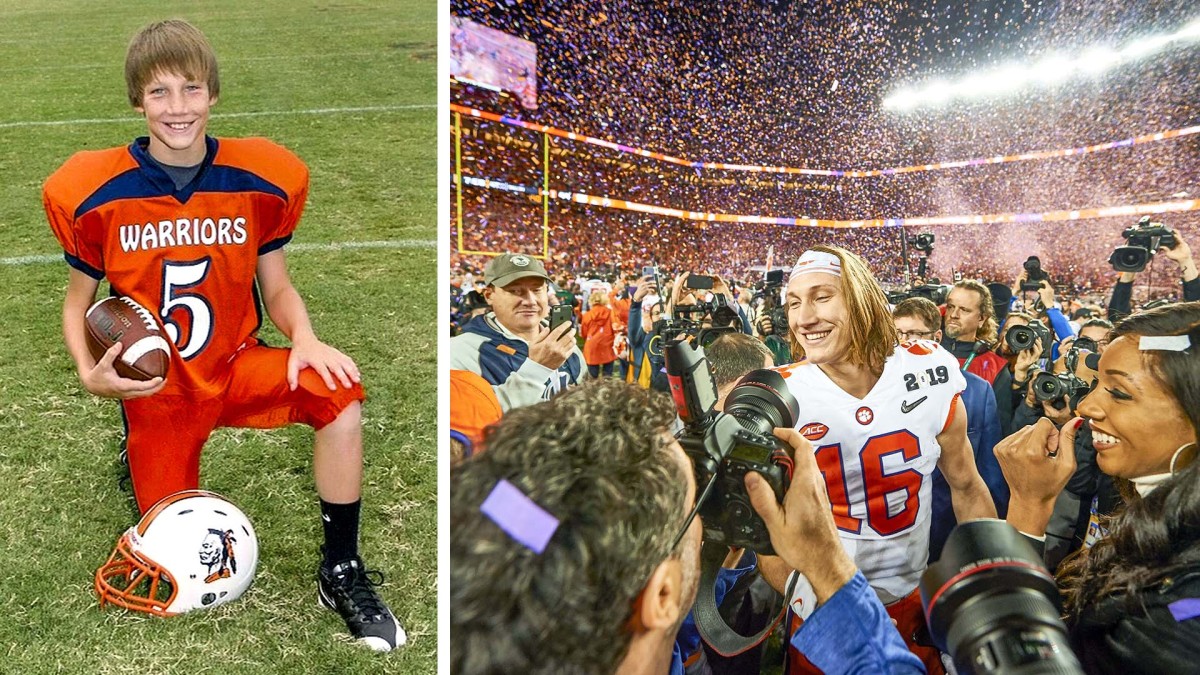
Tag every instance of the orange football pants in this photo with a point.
(909, 617)
(166, 433)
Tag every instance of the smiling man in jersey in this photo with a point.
(193, 227)
(880, 417)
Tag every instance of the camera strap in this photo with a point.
(712, 626)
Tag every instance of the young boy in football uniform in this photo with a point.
(193, 227)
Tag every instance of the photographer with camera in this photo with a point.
(770, 317)
(1034, 278)
(572, 549)
(644, 323)
(1130, 598)
(1054, 387)
(1143, 240)
(1021, 344)
(687, 300)
(1096, 330)
(885, 416)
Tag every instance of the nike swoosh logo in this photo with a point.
(906, 407)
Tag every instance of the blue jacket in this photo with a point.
(488, 349)
(852, 633)
(983, 430)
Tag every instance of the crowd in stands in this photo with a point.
(731, 83)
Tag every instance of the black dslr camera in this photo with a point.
(1141, 242)
(924, 243)
(724, 446)
(1034, 274)
(1058, 386)
(1020, 338)
(992, 605)
(935, 293)
(719, 311)
(933, 290)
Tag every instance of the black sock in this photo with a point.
(340, 522)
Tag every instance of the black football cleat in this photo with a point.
(349, 589)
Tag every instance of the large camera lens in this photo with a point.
(1048, 387)
(761, 401)
(1020, 338)
(991, 604)
(1086, 343)
(1129, 258)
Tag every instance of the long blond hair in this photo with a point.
(870, 330)
(987, 312)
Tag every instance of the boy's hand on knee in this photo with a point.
(102, 379)
(327, 361)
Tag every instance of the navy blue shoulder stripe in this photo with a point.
(129, 184)
(148, 180)
(274, 244)
(230, 179)
(133, 185)
(83, 267)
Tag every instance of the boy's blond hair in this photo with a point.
(171, 46)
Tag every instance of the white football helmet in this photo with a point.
(191, 550)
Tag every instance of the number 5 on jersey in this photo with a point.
(178, 278)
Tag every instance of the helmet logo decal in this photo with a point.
(216, 552)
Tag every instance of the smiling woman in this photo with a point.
(1130, 597)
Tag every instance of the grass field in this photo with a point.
(350, 87)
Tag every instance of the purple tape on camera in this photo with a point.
(1188, 608)
(519, 516)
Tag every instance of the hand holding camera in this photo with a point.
(766, 326)
(1033, 275)
(1181, 253)
(1026, 360)
(646, 285)
(1046, 293)
(801, 528)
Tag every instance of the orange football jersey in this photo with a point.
(189, 255)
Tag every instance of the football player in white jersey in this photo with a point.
(880, 416)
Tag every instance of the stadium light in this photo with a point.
(1053, 69)
(1050, 70)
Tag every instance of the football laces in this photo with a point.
(142, 312)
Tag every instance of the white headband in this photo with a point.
(1166, 343)
(816, 261)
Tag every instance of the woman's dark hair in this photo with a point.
(1159, 535)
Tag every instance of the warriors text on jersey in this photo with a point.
(877, 454)
(187, 254)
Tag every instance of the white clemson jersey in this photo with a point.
(877, 455)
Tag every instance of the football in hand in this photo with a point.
(145, 353)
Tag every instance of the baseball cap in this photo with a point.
(508, 267)
(473, 406)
